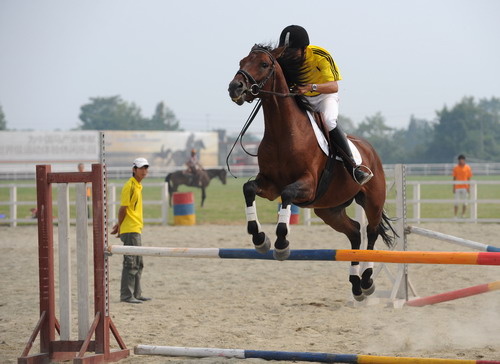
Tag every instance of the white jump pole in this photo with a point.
(451, 239)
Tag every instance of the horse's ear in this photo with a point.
(255, 46)
(278, 52)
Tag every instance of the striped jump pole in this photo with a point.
(451, 239)
(293, 356)
(411, 257)
(453, 295)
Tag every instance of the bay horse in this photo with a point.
(291, 163)
(175, 179)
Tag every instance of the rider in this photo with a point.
(193, 166)
(321, 90)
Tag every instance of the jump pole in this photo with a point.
(453, 295)
(293, 356)
(410, 257)
(450, 239)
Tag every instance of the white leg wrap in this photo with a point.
(354, 270)
(251, 213)
(365, 266)
(285, 215)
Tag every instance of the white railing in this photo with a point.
(416, 202)
(113, 204)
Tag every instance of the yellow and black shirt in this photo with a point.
(320, 67)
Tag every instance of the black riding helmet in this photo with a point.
(295, 36)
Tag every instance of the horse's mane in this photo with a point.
(293, 71)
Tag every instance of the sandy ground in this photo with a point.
(266, 305)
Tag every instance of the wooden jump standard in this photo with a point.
(102, 325)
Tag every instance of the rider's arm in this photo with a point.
(323, 88)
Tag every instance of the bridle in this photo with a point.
(255, 88)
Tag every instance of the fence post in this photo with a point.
(307, 217)
(164, 204)
(82, 259)
(473, 198)
(13, 206)
(416, 204)
(64, 261)
(111, 203)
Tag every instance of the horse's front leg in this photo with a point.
(297, 190)
(259, 238)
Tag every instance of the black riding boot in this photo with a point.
(339, 140)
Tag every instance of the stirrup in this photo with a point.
(369, 177)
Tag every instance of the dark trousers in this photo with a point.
(132, 269)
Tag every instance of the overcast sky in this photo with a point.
(396, 57)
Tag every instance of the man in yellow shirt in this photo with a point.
(129, 229)
(461, 172)
(321, 88)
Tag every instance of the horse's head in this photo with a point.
(255, 70)
(222, 176)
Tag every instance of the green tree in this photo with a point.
(163, 119)
(110, 113)
(469, 127)
(346, 124)
(113, 113)
(3, 120)
(381, 137)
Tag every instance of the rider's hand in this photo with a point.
(302, 89)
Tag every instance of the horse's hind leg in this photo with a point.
(374, 211)
(337, 218)
(259, 238)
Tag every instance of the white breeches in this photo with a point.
(328, 104)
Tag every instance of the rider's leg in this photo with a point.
(328, 104)
(339, 140)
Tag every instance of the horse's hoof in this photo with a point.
(281, 254)
(368, 291)
(264, 247)
(359, 298)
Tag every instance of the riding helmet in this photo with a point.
(297, 37)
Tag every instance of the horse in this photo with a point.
(178, 178)
(291, 162)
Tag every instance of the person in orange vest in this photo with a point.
(461, 172)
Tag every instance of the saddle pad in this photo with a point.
(323, 144)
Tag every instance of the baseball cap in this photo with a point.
(141, 162)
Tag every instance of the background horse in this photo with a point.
(291, 163)
(178, 178)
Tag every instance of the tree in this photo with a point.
(3, 121)
(381, 137)
(346, 124)
(112, 113)
(469, 127)
(163, 119)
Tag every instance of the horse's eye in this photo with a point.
(265, 64)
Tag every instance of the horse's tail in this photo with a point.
(386, 231)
